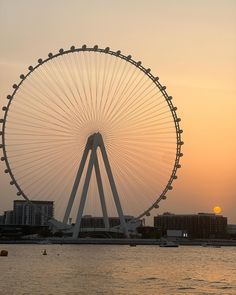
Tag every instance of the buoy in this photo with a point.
(44, 252)
(4, 253)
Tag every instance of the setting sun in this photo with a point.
(217, 210)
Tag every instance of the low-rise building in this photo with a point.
(201, 225)
(1, 219)
(89, 221)
(36, 213)
(231, 230)
(8, 218)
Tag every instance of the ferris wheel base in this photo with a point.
(94, 142)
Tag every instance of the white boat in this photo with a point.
(168, 244)
(212, 245)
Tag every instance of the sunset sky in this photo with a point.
(190, 45)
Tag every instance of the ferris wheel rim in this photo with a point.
(138, 65)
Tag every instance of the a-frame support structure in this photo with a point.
(93, 142)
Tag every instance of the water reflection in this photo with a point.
(88, 269)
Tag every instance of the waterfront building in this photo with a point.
(231, 230)
(1, 219)
(8, 217)
(36, 213)
(88, 221)
(201, 225)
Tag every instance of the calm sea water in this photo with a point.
(111, 269)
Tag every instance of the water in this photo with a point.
(113, 270)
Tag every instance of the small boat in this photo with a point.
(44, 252)
(212, 245)
(169, 244)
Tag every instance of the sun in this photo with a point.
(217, 210)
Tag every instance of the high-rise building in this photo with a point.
(201, 225)
(32, 213)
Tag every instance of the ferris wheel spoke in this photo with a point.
(126, 94)
(36, 118)
(127, 81)
(122, 78)
(53, 92)
(57, 176)
(74, 76)
(43, 169)
(82, 93)
(44, 95)
(30, 160)
(115, 68)
(59, 92)
(128, 174)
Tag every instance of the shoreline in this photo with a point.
(92, 241)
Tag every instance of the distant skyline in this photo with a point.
(190, 45)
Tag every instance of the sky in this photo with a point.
(190, 45)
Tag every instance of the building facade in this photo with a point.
(201, 225)
(36, 213)
(89, 221)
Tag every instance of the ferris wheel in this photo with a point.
(94, 131)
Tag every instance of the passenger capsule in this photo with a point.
(107, 49)
(180, 154)
(95, 47)
(1, 146)
(118, 52)
(174, 109)
(170, 187)
(30, 68)
(156, 206)
(139, 63)
(169, 97)
(18, 193)
(4, 108)
(22, 76)
(178, 119)
(180, 131)
(9, 97)
(84, 47)
(128, 57)
(1, 120)
(163, 88)
(175, 177)
(0, 132)
(14, 86)
(50, 55)
(156, 79)
(11, 182)
(178, 166)
(40, 60)
(148, 214)
(148, 70)
(181, 143)
(2, 158)
(72, 48)
(61, 50)
(6, 171)
(163, 197)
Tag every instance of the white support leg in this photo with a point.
(113, 187)
(101, 192)
(84, 195)
(76, 184)
(93, 142)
